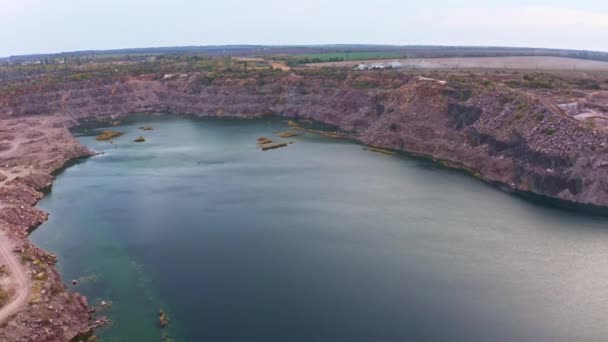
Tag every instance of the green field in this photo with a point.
(347, 56)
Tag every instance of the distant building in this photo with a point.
(31, 62)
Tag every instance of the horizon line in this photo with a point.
(219, 46)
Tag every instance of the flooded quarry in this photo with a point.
(322, 239)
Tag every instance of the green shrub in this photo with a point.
(544, 84)
(364, 85)
(206, 80)
(588, 84)
(522, 106)
(514, 83)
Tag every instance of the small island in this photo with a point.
(267, 144)
(288, 134)
(108, 135)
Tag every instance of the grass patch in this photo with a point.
(346, 56)
(540, 84)
(536, 81)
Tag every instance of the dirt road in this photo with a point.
(19, 279)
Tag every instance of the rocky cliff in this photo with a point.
(501, 134)
(31, 149)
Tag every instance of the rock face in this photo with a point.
(501, 134)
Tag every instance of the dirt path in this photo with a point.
(19, 277)
(14, 146)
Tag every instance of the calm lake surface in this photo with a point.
(318, 241)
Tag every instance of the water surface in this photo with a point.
(319, 241)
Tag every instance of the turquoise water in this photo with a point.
(318, 241)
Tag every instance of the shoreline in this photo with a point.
(333, 132)
(447, 164)
(49, 311)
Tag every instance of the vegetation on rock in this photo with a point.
(264, 140)
(288, 134)
(108, 135)
(266, 144)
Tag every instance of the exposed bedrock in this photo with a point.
(500, 134)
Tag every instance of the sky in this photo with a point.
(45, 26)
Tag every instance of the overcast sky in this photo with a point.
(40, 26)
